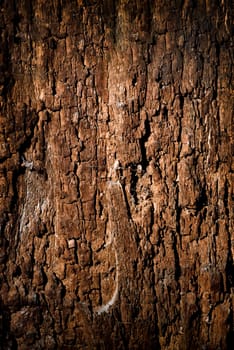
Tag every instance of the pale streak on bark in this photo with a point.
(105, 307)
(114, 237)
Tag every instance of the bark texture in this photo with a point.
(116, 174)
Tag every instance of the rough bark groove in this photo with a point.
(116, 175)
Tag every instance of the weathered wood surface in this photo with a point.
(116, 175)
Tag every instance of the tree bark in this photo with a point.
(116, 174)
